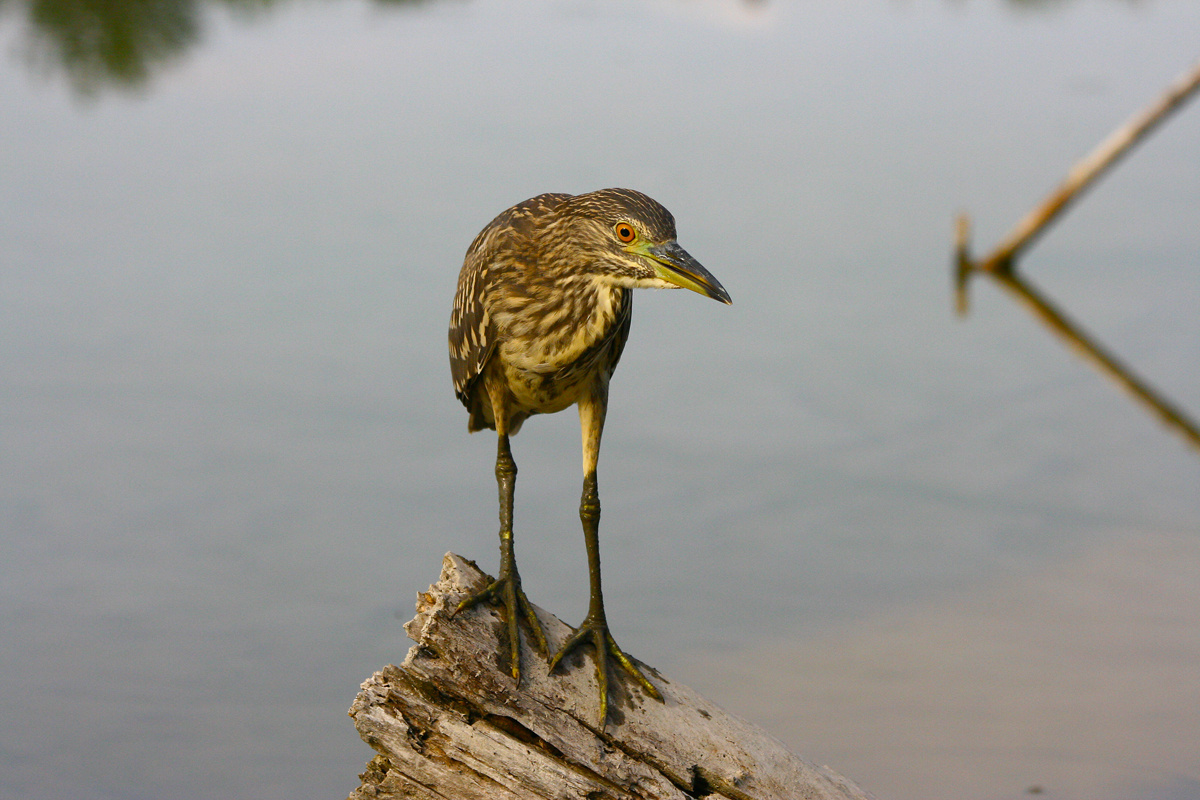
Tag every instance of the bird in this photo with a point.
(540, 318)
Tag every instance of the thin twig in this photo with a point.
(1091, 167)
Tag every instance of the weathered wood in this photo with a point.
(449, 723)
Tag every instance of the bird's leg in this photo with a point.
(507, 587)
(594, 628)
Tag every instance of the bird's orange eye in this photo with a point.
(625, 232)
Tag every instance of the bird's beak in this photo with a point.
(675, 265)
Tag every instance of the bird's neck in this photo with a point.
(607, 304)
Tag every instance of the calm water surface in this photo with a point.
(941, 555)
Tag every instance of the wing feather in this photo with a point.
(473, 336)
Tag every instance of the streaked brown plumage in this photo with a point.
(540, 318)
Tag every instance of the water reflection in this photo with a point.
(98, 42)
(123, 43)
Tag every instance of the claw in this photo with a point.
(507, 589)
(604, 647)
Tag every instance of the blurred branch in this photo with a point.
(1001, 264)
(1081, 176)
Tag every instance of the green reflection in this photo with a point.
(111, 41)
(121, 43)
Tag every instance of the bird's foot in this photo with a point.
(507, 590)
(594, 630)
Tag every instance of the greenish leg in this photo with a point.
(507, 587)
(594, 627)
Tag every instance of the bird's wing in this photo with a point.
(473, 337)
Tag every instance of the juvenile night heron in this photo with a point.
(540, 318)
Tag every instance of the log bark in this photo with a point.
(450, 723)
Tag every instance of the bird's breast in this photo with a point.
(554, 350)
(553, 331)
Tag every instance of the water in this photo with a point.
(958, 558)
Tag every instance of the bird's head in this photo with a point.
(624, 238)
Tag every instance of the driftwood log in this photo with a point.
(450, 724)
